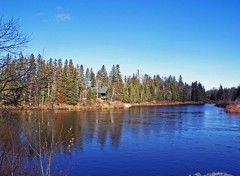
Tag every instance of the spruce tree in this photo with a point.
(88, 78)
(81, 78)
(92, 78)
(70, 83)
(102, 77)
(194, 93)
(220, 93)
(59, 83)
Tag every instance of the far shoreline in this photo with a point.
(97, 105)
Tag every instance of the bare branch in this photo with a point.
(12, 39)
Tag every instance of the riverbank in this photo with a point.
(230, 107)
(162, 103)
(96, 105)
(233, 108)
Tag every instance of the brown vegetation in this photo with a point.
(165, 103)
(95, 105)
(233, 108)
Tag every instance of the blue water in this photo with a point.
(166, 140)
(142, 141)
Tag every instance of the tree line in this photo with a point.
(33, 80)
(224, 94)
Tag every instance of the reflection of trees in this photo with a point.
(43, 137)
(45, 141)
(34, 141)
(115, 128)
(12, 147)
(89, 125)
(103, 126)
(107, 126)
(31, 145)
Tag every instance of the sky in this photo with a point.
(198, 39)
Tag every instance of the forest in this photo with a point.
(224, 94)
(33, 81)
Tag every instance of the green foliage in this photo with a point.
(37, 81)
(116, 84)
(102, 77)
(92, 78)
(224, 94)
(69, 83)
(90, 94)
(198, 92)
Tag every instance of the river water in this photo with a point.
(142, 141)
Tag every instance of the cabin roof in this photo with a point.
(102, 90)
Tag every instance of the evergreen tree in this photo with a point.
(92, 78)
(31, 78)
(38, 81)
(185, 93)
(81, 79)
(148, 92)
(88, 78)
(194, 94)
(158, 88)
(134, 89)
(116, 89)
(59, 83)
(102, 77)
(198, 92)
(237, 95)
(181, 89)
(220, 93)
(70, 83)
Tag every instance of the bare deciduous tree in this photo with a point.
(12, 39)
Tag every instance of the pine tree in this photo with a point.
(53, 93)
(31, 79)
(194, 94)
(102, 77)
(237, 95)
(148, 94)
(116, 83)
(181, 89)
(59, 83)
(132, 89)
(220, 93)
(185, 93)
(198, 92)
(81, 79)
(88, 78)
(70, 83)
(92, 78)
(160, 88)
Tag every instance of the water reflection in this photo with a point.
(100, 126)
(12, 145)
(161, 131)
(107, 126)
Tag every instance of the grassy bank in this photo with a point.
(164, 103)
(233, 108)
(96, 105)
(230, 107)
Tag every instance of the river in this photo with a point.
(142, 141)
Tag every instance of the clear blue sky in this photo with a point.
(199, 39)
